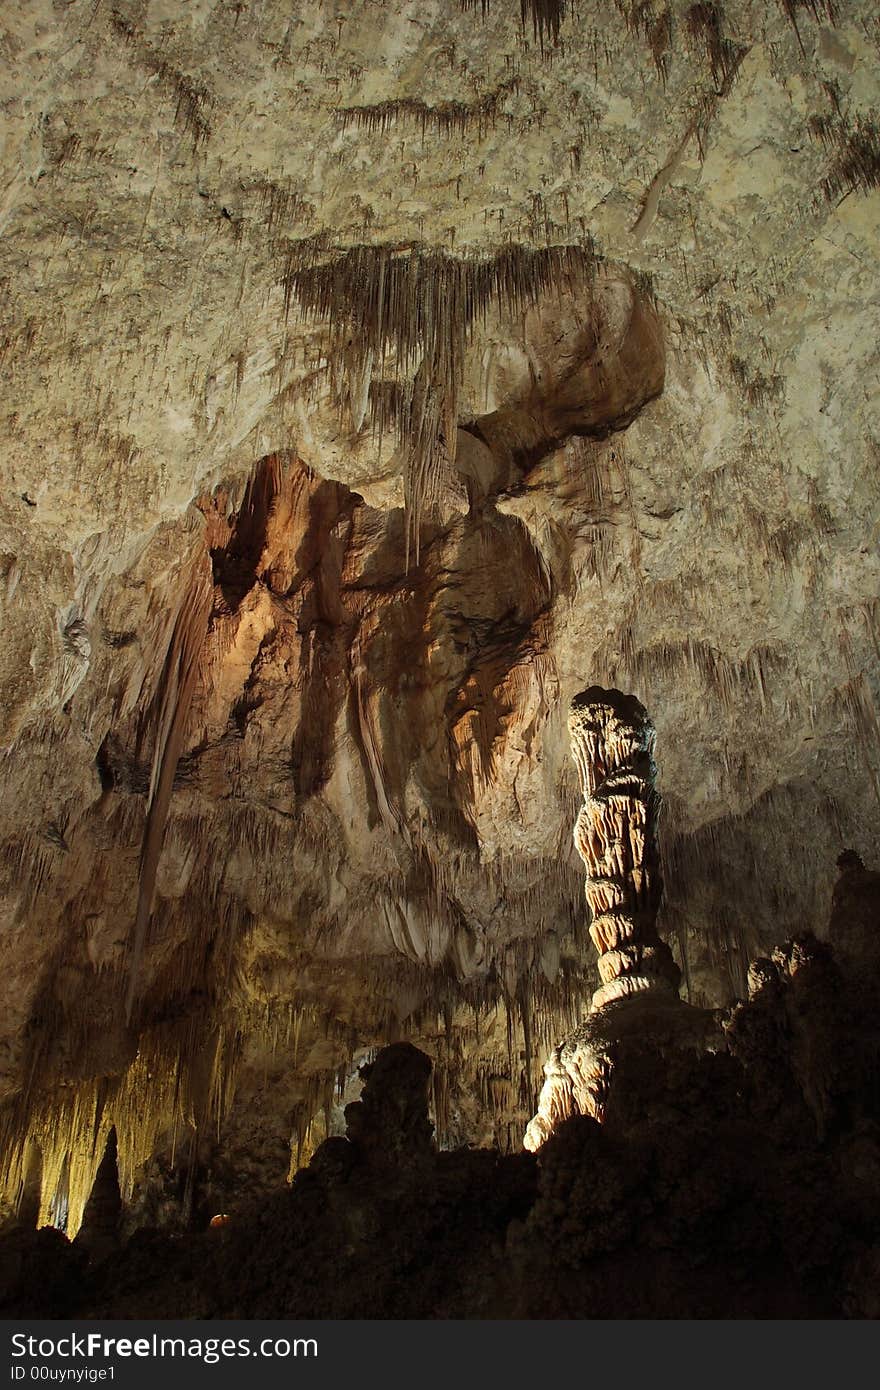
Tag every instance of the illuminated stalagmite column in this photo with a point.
(612, 742)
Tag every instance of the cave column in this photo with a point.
(637, 1004)
(612, 742)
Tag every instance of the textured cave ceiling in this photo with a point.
(375, 378)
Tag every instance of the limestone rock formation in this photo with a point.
(616, 835)
(854, 929)
(612, 742)
(99, 1234)
(373, 377)
(390, 1121)
(714, 1188)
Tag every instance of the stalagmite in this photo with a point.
(612, 743)
(390, 1121)
(171, 710)
(99, 1232)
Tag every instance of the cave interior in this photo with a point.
(440, 659)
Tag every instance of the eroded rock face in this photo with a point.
(267, 279)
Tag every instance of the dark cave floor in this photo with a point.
(741, 1183)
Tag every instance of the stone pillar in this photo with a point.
(612, 742)
(637, 1003)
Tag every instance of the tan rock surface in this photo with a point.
(368, 835)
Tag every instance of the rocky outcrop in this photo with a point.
(854, 928)
(389, 1124)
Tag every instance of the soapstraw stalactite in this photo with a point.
(412, 311)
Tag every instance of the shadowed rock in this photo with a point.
(390, 1121)
(99, 1232)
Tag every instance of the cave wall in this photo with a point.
(373, 383)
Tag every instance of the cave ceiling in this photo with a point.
(376, 377)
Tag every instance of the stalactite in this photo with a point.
(181, 1080)
(169, 718)
(415, 309)
(856, 146)
(705, 22)
(544, 16)
(820, 10)
(439, 1108)
(371, 743)
(279, 206)
(642, 18)
(192, 100)
(448, 118)
(859, 704)
(732, 682)
(311, 1119)
(757, 388)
